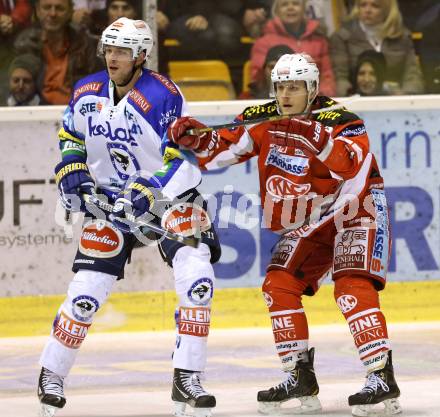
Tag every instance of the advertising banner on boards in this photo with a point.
(36, 254)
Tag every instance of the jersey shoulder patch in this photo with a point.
(91, 85)
(333, 117)
(165, 81)
(260, 110)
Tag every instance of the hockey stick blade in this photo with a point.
(143, 226)
(233, 125)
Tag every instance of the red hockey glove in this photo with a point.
(203, 142)
(307, 135)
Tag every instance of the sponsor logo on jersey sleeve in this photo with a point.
(100, 239)
(353, 131)
(168, 117)
(137, 97)
(166, 82)
(86, 88)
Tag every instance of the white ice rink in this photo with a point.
(129, 374)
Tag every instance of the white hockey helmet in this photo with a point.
(128, 33)
(297, 67)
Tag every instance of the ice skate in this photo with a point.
(187, 390)
(50, 393)
(301, 384)
(380, 388)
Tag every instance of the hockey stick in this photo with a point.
(268, 118)
(144, 226)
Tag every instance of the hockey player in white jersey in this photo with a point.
(113, 143)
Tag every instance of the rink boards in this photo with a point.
(409, 302)
(404, 135)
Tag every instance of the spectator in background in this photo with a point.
(369, 74)
(376, 25)
(113, 10)
(263, 88)
(132, 9)
(206, 29)
(429, 53)
(23, 75)
(84, 10)
(255, 16)
(14, 16)
(67, 53)
(290, 26)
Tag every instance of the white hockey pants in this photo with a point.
(89, 290)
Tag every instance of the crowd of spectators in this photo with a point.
(372, 47)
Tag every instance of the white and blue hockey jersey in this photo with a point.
(129, 138)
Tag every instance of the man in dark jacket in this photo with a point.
(67, 53)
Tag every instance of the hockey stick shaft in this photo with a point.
(261, 120)
(143, 225)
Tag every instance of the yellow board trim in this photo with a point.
(232, 307)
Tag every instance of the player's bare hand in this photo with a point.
(162, 21)
(197, 23)
(6, 24)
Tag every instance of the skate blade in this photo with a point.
(386, 408)
(309, 405)
(180, 410)
(47, 410)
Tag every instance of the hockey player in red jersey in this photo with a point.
(322, 191)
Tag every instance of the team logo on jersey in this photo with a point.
(84, 306)
(100, 239)
(186, 219)
(346, 302)
(201, 291)
(291, 164)
(124, 161)
(285, 189)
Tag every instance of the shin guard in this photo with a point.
(359, 302)
(282, 293)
